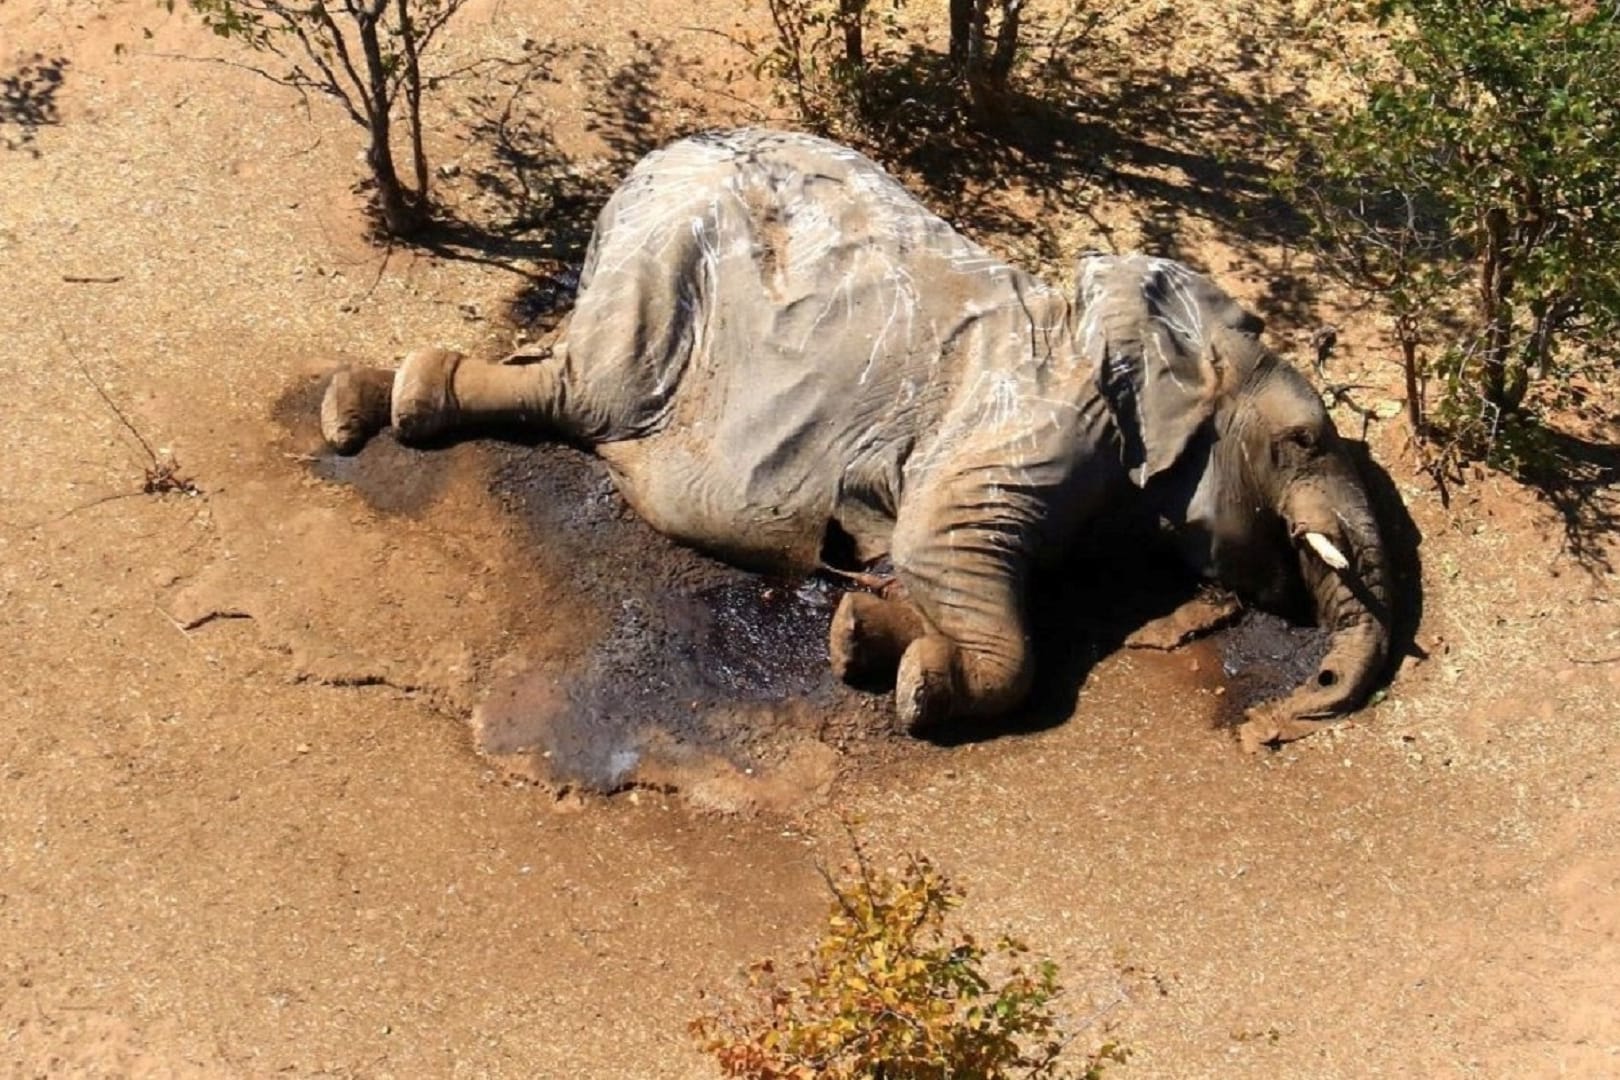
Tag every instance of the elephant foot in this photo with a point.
(355, 407)
(1264, 727)
(1197, 617)
(424, 399)
(869, 635)
(846, 647)
(925, 688)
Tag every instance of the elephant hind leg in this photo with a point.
(355, 407)
(438, 393)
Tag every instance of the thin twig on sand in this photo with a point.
(162, 475)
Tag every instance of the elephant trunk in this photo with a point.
(1346, 568)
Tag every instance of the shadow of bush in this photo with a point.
(533, 206)
(1082, 122)
(28, 100)
(1580, 479)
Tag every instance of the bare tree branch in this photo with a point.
(296, 80)
(340, 45)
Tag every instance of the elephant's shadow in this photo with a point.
(1402, 539)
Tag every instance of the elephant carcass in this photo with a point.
(781, 353)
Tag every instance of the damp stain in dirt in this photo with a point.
(699, 660)
(1263, 656)
(666, 654)
(392, 478)
(671, 678)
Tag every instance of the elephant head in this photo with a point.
(1235, 451)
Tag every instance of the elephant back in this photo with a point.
(781, 317)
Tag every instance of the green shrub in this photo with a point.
(889, 993)
(1475, 187)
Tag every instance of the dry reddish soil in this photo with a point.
(301, 766)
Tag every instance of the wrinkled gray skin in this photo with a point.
(774, 342)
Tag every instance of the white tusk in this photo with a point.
(1330, 554)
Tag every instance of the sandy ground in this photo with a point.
(246, 828)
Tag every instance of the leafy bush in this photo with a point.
(889, 994)
(1476, 189)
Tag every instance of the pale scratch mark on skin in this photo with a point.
(1178, 279)
(813, 237)
(1165, 281)
(708, 248)
(1092, 339)
(842, 291)
(902, 303)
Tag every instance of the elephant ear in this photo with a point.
(1154, 361)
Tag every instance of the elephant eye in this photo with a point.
(1296, 445)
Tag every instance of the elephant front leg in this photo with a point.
(874, 639)
(960, 558)
(940, 679)
(929, 687)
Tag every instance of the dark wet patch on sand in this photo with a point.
(700, 662)
(1264, 656)
(660, 666)
(390, 477)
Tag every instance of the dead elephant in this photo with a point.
(774, 344)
